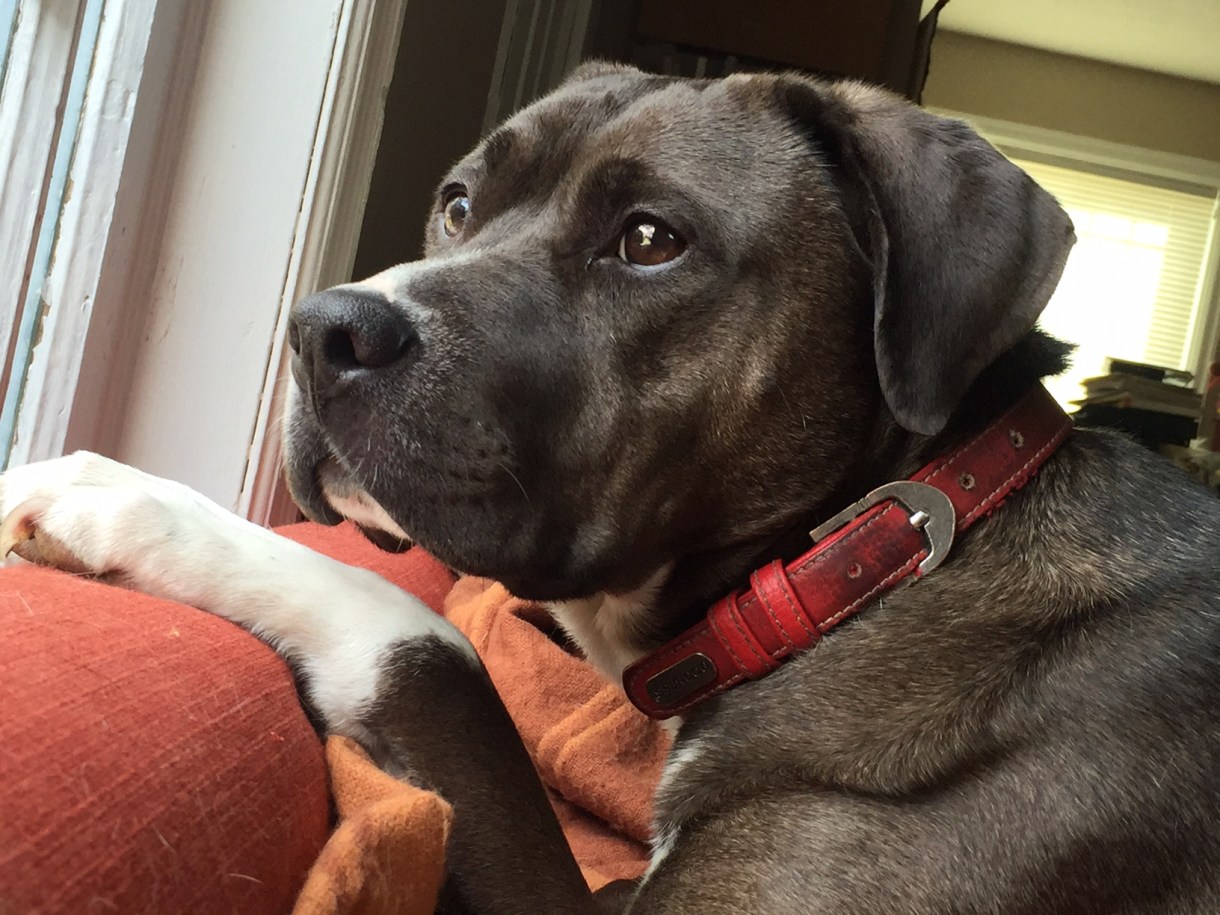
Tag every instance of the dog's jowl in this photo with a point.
(663, 330)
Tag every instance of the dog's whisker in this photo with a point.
(516, 480)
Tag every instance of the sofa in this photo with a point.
(155, 759)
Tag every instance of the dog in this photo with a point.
(664, 329)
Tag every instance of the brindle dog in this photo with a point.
(663, 328)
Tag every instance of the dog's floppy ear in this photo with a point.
(966, 249)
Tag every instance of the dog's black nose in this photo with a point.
(343, 331)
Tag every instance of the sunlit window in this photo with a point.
(1133, 286)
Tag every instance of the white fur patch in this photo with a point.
(386, 283)
(336, 621)
(664, 838)
(391, 282)
(361, 508)
(606, 626)
(353, 503)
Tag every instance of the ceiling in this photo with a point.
(1181, 37)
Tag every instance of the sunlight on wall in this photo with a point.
(1106, 299)
(1132, 286)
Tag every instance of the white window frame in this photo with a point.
(143, 246)
(331, 217)
(1131, 163)
(51, 74)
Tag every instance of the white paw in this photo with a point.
(86, 513)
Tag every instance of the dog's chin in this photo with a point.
(384, 540)
(343, 497)
(464, 540)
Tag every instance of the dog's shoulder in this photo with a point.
(1071, 643)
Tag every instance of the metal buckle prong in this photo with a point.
(930, 510)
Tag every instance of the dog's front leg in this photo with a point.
(440, 714)
(375, 662)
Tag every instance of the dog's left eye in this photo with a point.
(648, 242)
(457, 209)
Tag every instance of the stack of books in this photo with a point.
(1155, 404)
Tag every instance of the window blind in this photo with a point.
(1133, 284)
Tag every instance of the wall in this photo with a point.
(995, 79)
(181, 390)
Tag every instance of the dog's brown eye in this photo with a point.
(457, 208)
(648, 242)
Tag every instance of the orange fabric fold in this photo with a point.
(388, 852)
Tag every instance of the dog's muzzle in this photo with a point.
(341, 339)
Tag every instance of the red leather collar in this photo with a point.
(899, 530)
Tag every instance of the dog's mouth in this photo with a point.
(346, 498)
(324, 489)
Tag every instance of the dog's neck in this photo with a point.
(696, 580)
(616, 629)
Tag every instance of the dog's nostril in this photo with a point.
(346, 348)
(294, 337)
(339, 351)
(381, 348)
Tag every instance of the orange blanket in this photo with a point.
(598, 756)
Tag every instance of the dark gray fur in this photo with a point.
(1034, 728)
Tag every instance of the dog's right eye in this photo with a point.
(647, 242)
(455, 211)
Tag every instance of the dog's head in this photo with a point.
(660, 317)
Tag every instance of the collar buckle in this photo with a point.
(930, 511)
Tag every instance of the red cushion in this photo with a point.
(153, 758)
